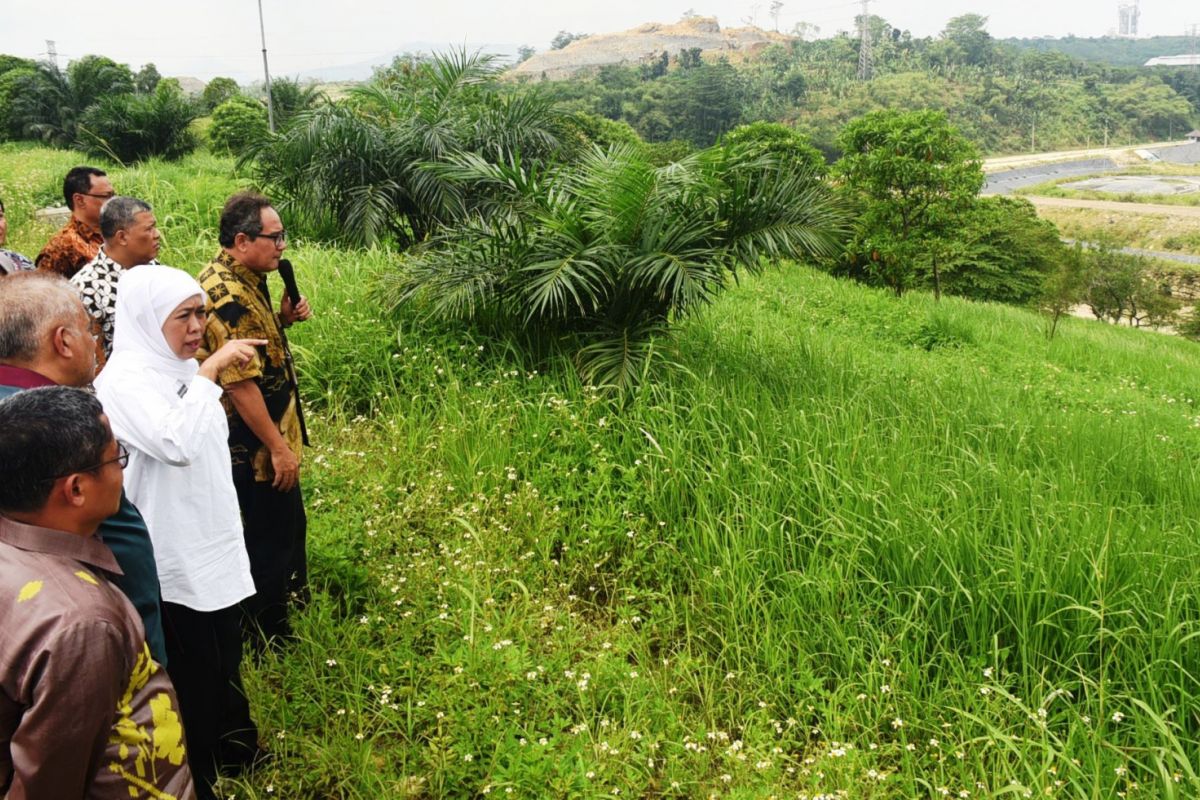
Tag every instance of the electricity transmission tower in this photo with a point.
(52, 53)
(864, 42)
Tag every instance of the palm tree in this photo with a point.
(607, 252)
(50, 102)
(357, 170)
(134, 127)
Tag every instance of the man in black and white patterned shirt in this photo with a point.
(131, 239)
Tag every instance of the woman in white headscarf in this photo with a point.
(166, 409)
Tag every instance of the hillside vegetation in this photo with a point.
(1112, 50)
(856, 546)
(1004, 98)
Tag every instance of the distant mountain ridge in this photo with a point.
(644, 42)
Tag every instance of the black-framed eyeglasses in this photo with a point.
(122, 460)
(108, 196)
(279, 237)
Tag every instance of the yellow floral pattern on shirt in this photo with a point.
(161, 741)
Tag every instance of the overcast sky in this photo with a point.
(203, 38)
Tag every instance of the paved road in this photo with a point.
(1062, 156)
(1009, 179)
(1112, 205)
(1013, 172)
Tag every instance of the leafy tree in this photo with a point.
(218, 91)
(147, 79)
(1120, 286)
(583, 131)
(608, 251)
(970, 39)
(10, 83)
(1000, 251)
(237, 124)
(564, 38)
(9, 63)
(909, 176)
(782, 143)
(1063, 287)
(134, 127)
(364, 169)
(701, 103)
(525, 52)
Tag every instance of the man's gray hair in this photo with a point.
(32, 305)
(117, 214)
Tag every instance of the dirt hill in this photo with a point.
(645, 42)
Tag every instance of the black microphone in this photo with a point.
(289, 281)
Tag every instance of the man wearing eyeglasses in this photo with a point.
(262, 401)
(85, 712)
(45, 340)
(85, 190)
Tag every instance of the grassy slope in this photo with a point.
(887, 547)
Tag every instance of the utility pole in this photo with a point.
(266, 71)
(52, 53)
(864, 43)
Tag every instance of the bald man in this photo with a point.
(46, 340)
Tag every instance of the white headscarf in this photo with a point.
(146, 296)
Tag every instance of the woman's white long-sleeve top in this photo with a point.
(179, 477)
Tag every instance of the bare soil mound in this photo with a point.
(645, 42)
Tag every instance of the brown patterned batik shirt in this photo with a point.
(239, 307)
(72, 247)
(84, 710)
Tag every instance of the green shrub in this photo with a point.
(778, 140)
(236, 124)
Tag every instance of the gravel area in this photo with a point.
(1138, 184)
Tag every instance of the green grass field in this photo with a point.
(852, 546)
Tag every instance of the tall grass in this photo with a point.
(855, 546)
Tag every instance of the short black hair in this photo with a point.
(79, 180)
(44, 434)
(242, 214)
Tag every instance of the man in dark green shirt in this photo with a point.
(46, 340)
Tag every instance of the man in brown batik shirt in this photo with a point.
(85, 712)
(85, 190)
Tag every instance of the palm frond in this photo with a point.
(619, 358)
